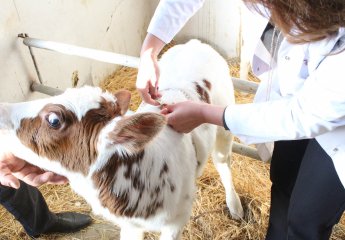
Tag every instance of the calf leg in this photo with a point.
(171, 233)
(221, 157)
(131, 232)
(173, 229)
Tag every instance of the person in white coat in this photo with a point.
(300, 105)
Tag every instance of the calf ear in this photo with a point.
(135, 131)
(123, 98)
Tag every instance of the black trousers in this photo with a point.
(28, 207)
(307, 197)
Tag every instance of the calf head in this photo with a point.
(72, 131)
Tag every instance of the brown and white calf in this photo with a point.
(132, 169)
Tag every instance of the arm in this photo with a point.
(185, 116)
(12, 169)
(318, 107)
(170, 16)
(148, 74)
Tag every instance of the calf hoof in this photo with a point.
(235, 208)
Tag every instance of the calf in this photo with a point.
(132, 169)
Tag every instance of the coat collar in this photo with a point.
(321, 49)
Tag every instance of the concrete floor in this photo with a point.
(97, 231)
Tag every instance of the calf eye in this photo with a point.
(53, 120)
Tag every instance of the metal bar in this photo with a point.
(45, 89)
(245, 85)
(69, 49)
(24, 35)
(110, 57)
(245, 150)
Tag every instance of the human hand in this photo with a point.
(12, 169)
(184, 116)
(147, 78)
(148, 74)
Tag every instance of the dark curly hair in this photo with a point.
(303, 20)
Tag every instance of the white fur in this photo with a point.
(181, 67)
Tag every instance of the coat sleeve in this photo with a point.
(170, 16)
(316, 108)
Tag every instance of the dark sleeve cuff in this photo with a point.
(224, 123)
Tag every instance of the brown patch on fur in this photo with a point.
(203, 94)
(73, 143)
(152, 208)
(208, 85)
(118, 204)
(123, 98)
(135, 131)
(164, 169)
(105, 178)
(172, 186)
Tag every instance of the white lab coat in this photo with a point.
(305, 89)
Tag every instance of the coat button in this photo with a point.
(287, 58)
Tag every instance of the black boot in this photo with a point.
(67, 222)
(28, 206)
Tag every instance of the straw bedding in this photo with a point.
(210, 218)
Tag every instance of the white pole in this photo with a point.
(245, 150)
(115, 58)
(69, 49)
(245, 85)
